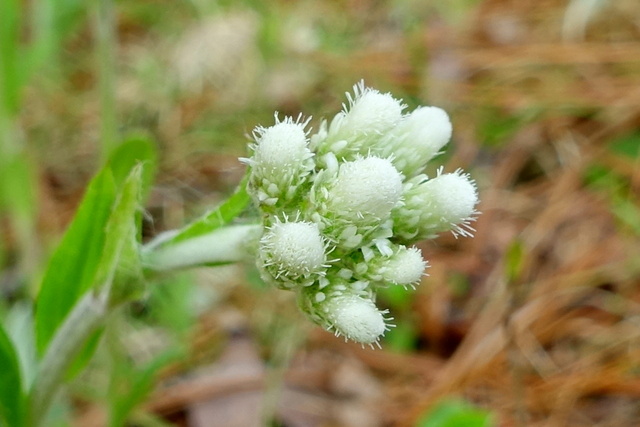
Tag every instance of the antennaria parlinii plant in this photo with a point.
(339, 210)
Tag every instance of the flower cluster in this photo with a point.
(341, 207)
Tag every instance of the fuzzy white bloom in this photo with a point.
(361, 124)
(281, 160)
(355, 318)
(356, 192)
(405, 267)
(365, 189)
(446, 202)
(281, 145)
(370, 111)
(416, 139)
(453, 197)
(292, 250)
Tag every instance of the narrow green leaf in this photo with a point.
(133, 150)
(90, 250)
(217, 218)
(121, 226)
(120, 266)
(10, 60)
(11, 392)
(131, 386)
(73, 266)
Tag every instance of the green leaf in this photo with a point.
(11, 393)
(121, 226)
(120, 261)
(132, 151)
(121, 265)
(217, 218)
(73, 266)
(456, 413)
(104, 226)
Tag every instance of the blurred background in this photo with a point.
(533, 322)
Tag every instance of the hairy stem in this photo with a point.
(85, 318)
(222, 246)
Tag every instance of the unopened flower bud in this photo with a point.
(355, 317)
(290, 251)
(446, 202)
(405, 267)
(365, 190)
(416, 139)
(357, 128)
(281, 161)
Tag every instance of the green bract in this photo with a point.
(340, 207)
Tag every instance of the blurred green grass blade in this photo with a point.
(628, 146)
(222, 215)
(84, 355)
(402, 338)
(130, 387)
(73, 266)
(10, 76)
(514, 260)
(456, 413)
(11, 393)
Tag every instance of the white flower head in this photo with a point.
(354, 317)
(368, 115)
(365, 189)
(370, 111)
(446, 202)
(282, 145)
(281, 161)
(357, 184)
(405, 267)
(453, 195)
(416, 139)
(291, 250)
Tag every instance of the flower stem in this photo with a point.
(224, 245)
(85, 318)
